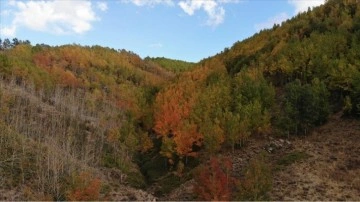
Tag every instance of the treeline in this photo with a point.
(7, 44)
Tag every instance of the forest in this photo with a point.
(95, 123)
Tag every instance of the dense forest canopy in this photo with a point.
(72, 113)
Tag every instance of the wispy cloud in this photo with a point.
(214, 9)
(102, 6)
(55, 16)
(271, 21)
(303, 5)
(149, 2)
(156, 45)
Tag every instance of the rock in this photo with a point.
(270, 149)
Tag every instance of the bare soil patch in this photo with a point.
(332, 169)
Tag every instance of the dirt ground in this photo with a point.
(332, 169)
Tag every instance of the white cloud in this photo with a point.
(271, 21)
(303, 5)
(149, 2)
(8, 31)
(55, 16)
(229, 1)
(213, 9)
(156, 45)
(102, 6)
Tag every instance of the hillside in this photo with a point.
(274, 117)
(70, 111)
(282, 82)
(176, 66)
(323, 165)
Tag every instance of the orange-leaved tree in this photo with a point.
(173, 108)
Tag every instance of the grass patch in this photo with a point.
(292, 157)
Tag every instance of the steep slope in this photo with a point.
(284, 82)
(310, 62)
(72, 117)
(331, 169)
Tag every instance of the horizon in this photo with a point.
(187, 30)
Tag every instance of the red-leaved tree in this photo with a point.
(214, 181)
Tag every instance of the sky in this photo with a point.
(187, 30)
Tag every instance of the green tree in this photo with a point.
(304, 106)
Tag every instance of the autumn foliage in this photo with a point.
(214, 181)
(85, 188)
(172, 116)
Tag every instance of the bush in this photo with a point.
(257, 182)
(84, 188)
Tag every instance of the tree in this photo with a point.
(213, 181)
(15, 42)
(6, 44)
(305, 106)
(172, 113)
(236, 129)
(253, 97)
(208, 112)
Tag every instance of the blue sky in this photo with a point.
(180, 29)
